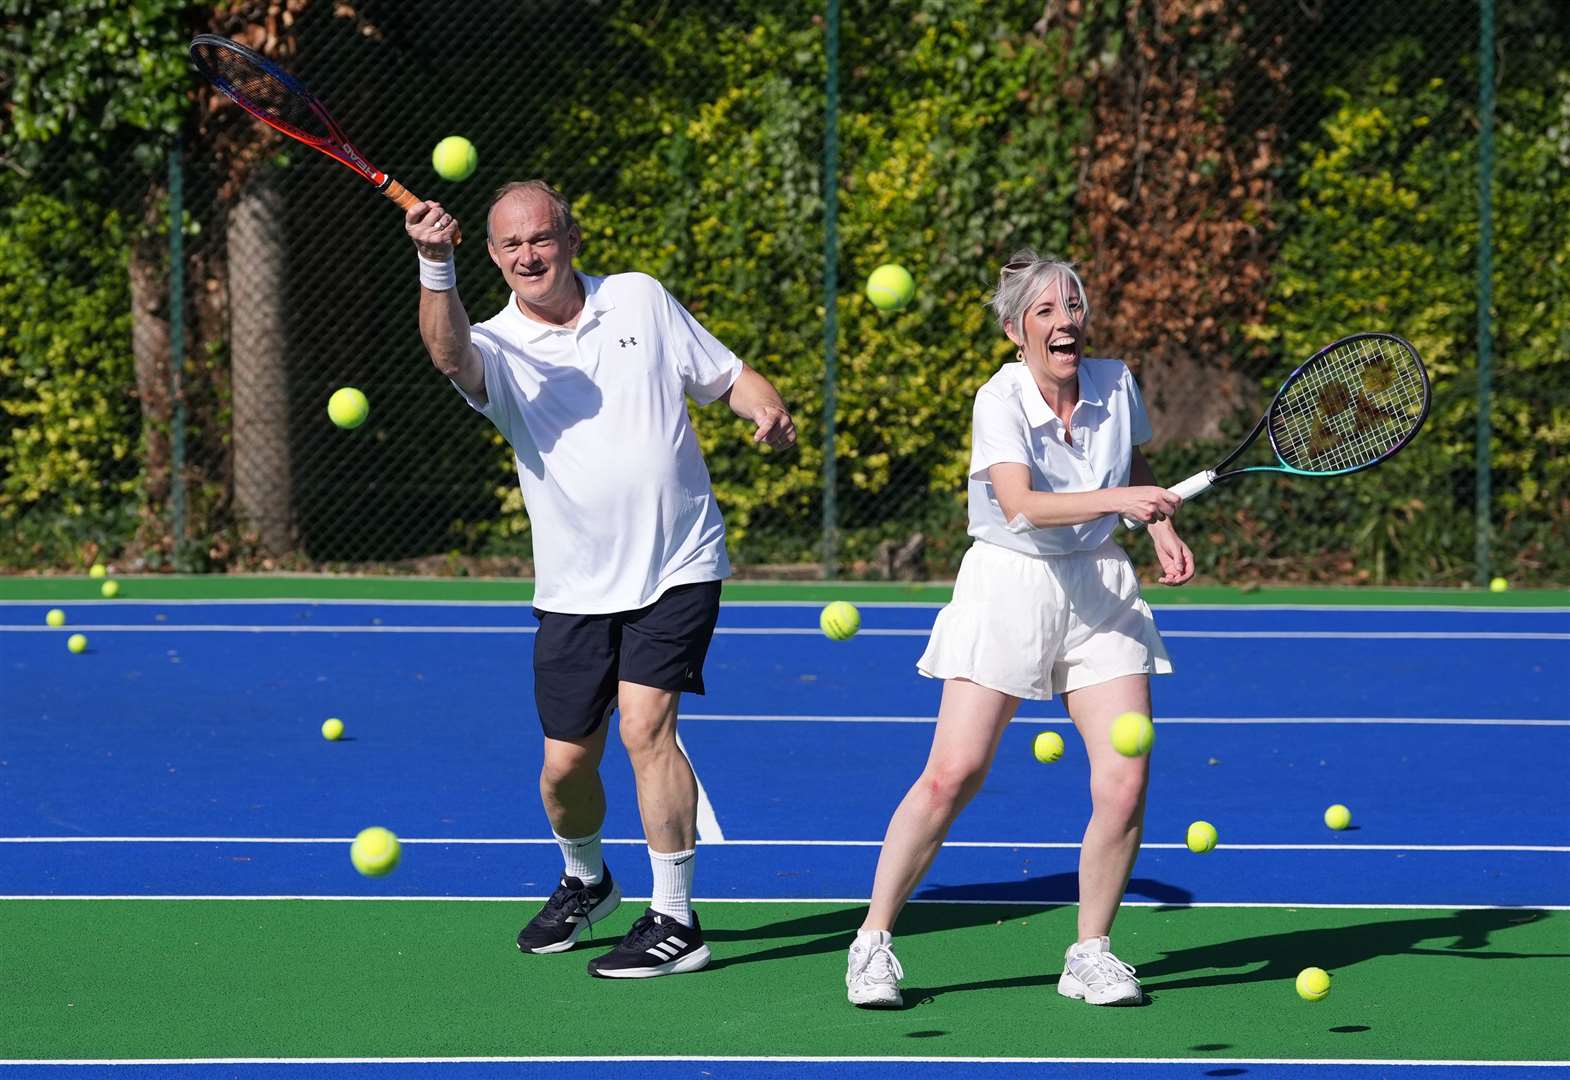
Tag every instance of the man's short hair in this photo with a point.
(561, 209)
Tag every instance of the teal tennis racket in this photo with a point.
(1350, 406)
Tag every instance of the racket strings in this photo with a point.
(1349, 407)
(259, 91)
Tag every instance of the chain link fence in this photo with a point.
(1241, 180)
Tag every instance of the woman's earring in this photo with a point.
(1019, 354)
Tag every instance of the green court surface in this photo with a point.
(321, 978)
(517, 590)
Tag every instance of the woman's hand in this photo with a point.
(1177, 561)
(1147, 504)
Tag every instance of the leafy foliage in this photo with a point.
(68, 471)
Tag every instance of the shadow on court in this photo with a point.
(830, 932)
(1463, 934)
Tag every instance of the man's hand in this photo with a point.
(775, 426)
(432, 229)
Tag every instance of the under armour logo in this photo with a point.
(627, 341)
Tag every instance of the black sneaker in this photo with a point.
(570, 911)
(656, 945)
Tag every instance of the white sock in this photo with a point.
(673, 883)
(583, 857)
(874, 937)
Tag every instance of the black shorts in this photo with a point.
(578, 659)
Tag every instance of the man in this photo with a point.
(587, 377)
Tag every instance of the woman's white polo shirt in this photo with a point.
(619, 499)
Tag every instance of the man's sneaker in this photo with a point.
(656, 945)
(568, 914)
(1092, 974)
(872, 972)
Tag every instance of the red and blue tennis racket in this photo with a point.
(282, 102)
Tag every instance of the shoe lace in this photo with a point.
(1101, 969)
(881, 965)
(644, 932)
(567, 900)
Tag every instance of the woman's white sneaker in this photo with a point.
(872, 971)
(1092, 974)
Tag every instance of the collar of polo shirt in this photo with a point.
(594, 302)
(1037, 411)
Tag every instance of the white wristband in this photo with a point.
(438, 276)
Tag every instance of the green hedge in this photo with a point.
(68, 470)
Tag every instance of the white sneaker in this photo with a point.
(872, 971)
(1092, 974)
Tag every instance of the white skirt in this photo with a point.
(1033, 626)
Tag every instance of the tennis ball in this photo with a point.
(77, 643)
(375, 852)
(454, 158)
(1048, 747)
(890, 287)
(1338, 817)
(97, 570)
(332, 729)
(1499, 584)
(1133, 734)
(110, 589)
(347, 407)
(1313, 984)
(56, 617)
(840, 620)
(1201, 837)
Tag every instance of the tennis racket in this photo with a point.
(1350, 406)
(283, 103)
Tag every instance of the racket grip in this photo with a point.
(1183, 489)
(406, 198)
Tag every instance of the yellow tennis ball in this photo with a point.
(455, 158)
(56, 617)
(1201, 837)
(332, 729)
(98, 569)
(1313, 984)
(1048, 747)
(839, 620)
(1499, 584)
(347, 407)
(1338, 817)
(1133, 734)
(77, 643)
(375, 852)
(890, 287)
(110, 589)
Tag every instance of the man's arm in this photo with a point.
(752, 397)
(444, 325)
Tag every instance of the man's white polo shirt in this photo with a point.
(1013, 423)
(618, 496)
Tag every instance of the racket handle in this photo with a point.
(406, 198)
(1183, 489)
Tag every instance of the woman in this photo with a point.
(1045, 603)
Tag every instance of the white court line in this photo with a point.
(854, 900)
(792, 1058)
(783, 631)
(525, 841)
(1063, 722)
(708, 823)
(807, 605)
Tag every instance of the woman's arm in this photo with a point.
(1051, 509)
